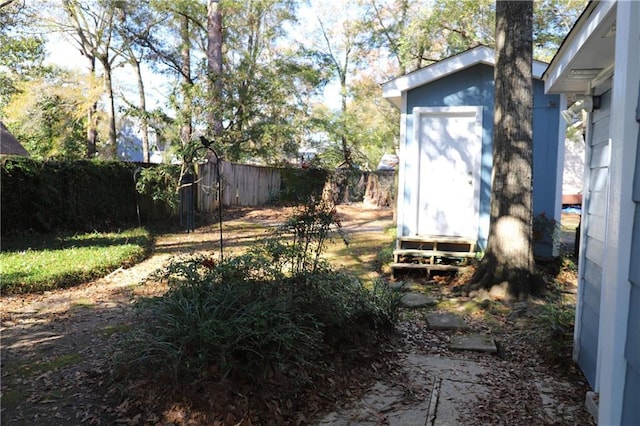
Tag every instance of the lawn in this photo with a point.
(38, 263)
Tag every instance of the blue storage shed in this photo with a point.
(445, 152)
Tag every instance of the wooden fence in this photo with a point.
(242, 185)
(246, 185)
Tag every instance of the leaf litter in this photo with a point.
(41, 327)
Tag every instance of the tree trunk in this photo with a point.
(214, 63)
(108, 84)
(144, 118)
(376, 195)
(185, 53)
(509, 258)
(92, 114)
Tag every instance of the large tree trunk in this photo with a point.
(508, 260)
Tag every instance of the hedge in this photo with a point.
(41, 197)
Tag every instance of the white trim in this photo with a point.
(402, 162)
(393, 89)
(624, 134)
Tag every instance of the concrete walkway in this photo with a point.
(441, 389)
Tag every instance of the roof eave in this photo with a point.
(557, 74)
(393, 89)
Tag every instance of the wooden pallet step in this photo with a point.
(438, 239)
(432, 253)
(427, 266)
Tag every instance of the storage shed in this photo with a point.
(446, 137)
(598, 64)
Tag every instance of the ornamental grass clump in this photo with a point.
(277, 310)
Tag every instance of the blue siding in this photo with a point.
(631, 402)
(594, 223)
(630, 405)
(474, 86)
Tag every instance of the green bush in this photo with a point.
(242, 325)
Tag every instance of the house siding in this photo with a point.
(630, 406)
(474, 86)
(594, 227)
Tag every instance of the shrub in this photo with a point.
(78, 196)
(275, 308)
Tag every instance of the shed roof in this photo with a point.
(9, 145)
(393, 89)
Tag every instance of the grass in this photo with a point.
(366, 254)
(37, 263)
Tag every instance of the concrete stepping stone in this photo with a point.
(474, 342)
(416, 300)
(404, 286)
(446, 321)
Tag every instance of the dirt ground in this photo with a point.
(55, 346)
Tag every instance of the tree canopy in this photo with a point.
(256, 83)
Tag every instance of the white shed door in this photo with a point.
(450, 147)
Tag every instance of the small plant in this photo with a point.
(302, 239)
(545, 229)
(556, 322)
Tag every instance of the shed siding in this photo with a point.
(594, 223)
(630, 406)
(474, 87)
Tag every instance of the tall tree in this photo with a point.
(21, 53)
(137, 20)
(91, 28)
(341, 46)
(509, 258)
(264, 81)
(214, 65)
(47, 113)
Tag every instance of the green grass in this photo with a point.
(38, 263)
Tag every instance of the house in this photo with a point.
(9, 145)
(598, 65)
(445, 150)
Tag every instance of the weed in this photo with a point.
(555, 322)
